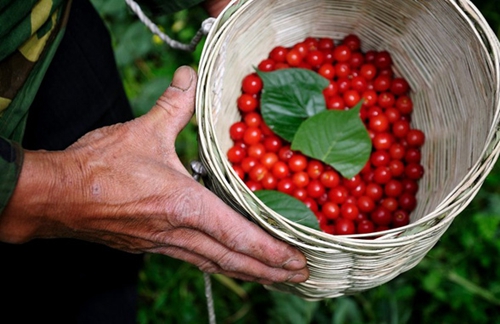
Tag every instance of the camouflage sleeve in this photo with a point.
(29, 34)
(11, 157)
(160, 7)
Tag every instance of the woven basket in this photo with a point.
(450, 57)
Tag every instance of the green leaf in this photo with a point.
(336, 137)
(289, 207)
(289, 96)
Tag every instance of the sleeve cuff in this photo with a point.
(11, 160)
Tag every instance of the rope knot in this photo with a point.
(207, 24)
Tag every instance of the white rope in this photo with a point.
(199, 171)
(206, 25)
(210, 299)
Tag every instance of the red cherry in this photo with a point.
(247, 102)
(236, 154)
(237, 130)
(400, 218)
(267, 65)
(278, 54)
(342, 53)
(365, 227)
(344, 226)
(353, 42)
(381, 216)
(399, 86)
(331, 210)
(252, 84)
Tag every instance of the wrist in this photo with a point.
(37, 203)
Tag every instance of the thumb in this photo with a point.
(175, 107)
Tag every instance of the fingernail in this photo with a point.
(294, 264)
(296, 278)
(183, 78)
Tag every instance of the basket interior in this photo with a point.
(433, 45)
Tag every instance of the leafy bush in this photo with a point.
(457, 282)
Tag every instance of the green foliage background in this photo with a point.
(458, 281)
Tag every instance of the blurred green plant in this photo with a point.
(457, 282)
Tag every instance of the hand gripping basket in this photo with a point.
(450, 57)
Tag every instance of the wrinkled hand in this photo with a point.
(124, 186)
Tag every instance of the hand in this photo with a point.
(125, 187)
(215, 7)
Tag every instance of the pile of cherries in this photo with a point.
(383, 194)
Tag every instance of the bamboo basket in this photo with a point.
(450, 57)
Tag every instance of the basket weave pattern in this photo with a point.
(449, 56)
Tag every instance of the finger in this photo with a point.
(202, 210)
(243, 236)
(175, 107)
(217, 258)
(204, 264)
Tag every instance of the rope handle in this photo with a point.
(206, 25)
(199, 172)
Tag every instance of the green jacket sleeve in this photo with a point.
(162, 7)
(27, 45)
(11, 157)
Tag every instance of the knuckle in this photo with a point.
(184, 208)
(226, 262)
(171, 103)
(234, 238)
